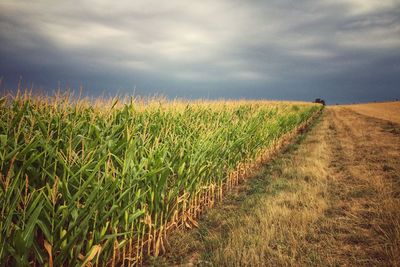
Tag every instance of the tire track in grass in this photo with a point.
(363, 223)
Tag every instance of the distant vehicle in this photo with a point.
(319, 100)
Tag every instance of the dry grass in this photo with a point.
(365, 189)
(332, 201)
(389, 111)
(273, 227)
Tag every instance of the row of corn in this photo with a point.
(85, 182)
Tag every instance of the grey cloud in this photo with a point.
(233, 49)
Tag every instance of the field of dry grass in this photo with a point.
(365, 190)
(331, 200)
(389, 111)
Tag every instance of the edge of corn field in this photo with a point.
(332, 200)
(192, 247)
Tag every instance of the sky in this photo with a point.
(342, 51)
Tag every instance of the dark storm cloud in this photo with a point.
(343, 50)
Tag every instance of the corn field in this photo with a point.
(102, 182)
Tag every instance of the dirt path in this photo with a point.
(332, 200)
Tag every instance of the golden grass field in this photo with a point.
(389, 111)
(332, 199)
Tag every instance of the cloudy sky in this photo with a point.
(341, 50)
